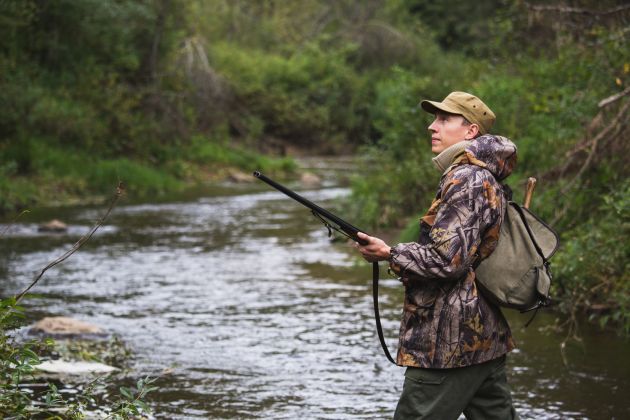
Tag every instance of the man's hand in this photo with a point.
(375, 250)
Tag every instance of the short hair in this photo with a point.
(467, 122)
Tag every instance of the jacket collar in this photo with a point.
(445, 159)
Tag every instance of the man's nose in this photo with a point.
(432, 127)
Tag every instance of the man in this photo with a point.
(452, 340)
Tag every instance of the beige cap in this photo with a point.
(467, 105)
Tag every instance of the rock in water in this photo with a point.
(240, 177)
(74, 368)
(62, 327)
(54, 225)
(310, 180)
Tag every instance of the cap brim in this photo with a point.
(432, 107)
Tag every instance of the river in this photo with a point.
(254, 313)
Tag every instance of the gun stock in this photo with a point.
(529, 191)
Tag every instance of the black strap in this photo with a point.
(533, 315)
(377, 317)
(530, 233)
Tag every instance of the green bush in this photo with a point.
(207, 152)
(397, 167)
(308, 96)
(594, 264)
(139, 180)
(18, 365)
(15, 192)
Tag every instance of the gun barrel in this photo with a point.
(343, 225)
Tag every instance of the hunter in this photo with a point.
(452, 340)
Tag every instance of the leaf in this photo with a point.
(126, 392)
(30, 353)
(143, 406)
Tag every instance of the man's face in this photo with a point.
(448, 129)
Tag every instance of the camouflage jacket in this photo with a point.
(446, 322)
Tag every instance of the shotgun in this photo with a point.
(333, 222)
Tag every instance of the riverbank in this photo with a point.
(64, 178)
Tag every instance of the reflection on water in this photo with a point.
(260, 316)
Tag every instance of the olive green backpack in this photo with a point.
(516, 274)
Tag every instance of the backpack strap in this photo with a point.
(507, 193)
(529, 232)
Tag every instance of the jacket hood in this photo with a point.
(494, 153)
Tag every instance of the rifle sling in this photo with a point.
(377, 317)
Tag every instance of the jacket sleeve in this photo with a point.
(467, 205)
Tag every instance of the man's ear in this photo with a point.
(473, 130)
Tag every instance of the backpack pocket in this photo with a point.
(531, 290)
(522, 294)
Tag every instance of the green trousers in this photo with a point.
(479, 391)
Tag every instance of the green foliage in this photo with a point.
(143, 180)
(451, 31)
(399, 159)
(59, 173)
(309, 96)
(14, 192)
(133, 403)
(594, 263)
(411, 232)
(18, 366)
(211, 153)
(18, 361)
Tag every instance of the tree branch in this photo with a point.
(614, 126)
(577, 10)
(613, 98)
(119, 191)
(6, 229)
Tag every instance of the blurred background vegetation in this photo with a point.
(165, 93)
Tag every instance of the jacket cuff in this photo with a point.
(394, 263)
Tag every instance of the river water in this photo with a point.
(239, 293)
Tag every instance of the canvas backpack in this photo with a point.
(516, 274)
